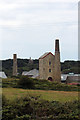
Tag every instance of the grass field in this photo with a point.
(61, 96)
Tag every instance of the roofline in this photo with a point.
(46, 55)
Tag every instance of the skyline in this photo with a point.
(29, 28)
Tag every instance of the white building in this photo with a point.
(2, 75)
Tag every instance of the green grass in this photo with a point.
(61, 96)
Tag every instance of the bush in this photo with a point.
(4, 101)
(26, 82)
(24, 117)
(33, 108)
(9, 82)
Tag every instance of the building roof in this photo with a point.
(64, 77)
(73, 77)
(2, 75)
(34, 73)
(45, 54)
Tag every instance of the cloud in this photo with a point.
(30, 12)
(35, 24)
(39, 1)
(10, 23)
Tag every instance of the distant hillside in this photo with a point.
(24, 65)
(70, 66)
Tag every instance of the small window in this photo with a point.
(49, 70)
(43, 68)
(49, 62)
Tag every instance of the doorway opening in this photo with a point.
(50, 78)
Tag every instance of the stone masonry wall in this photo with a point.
(44, 67)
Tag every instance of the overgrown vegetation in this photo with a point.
(25, 82)
(23, 65)
(33, 108)
(71, 66)
(29, 83)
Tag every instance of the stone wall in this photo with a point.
(46, 66)
(57, 69)
(53, 70)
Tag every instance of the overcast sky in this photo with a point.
(29, 28)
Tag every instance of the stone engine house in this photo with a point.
(49, 65)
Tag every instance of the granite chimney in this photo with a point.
(57, 64)
(14, 64)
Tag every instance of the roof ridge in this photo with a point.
(45, 54)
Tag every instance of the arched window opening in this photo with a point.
(50, 78)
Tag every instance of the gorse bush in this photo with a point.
(30, 83)
(33, 108)
(26, 82)
(9, 82)
(4, 100)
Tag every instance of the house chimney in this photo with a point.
(14, 64)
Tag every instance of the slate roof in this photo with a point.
(2, 75)
(45, 54)
(73, 77)
(33, 73)
(64, 77)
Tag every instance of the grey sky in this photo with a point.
(30, 27)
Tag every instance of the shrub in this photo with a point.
(26, 82)
(33, 108)
(4, 101)
(24, 117)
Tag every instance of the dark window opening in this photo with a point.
(49, 70)
(43, 68)
(49, 62)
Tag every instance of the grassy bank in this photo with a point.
(61, 96)
(44, 101)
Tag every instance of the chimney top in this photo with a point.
(57, 45)
(14, 56)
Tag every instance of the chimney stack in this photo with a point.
(56, 45)
(57, 62)
(14, 64)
